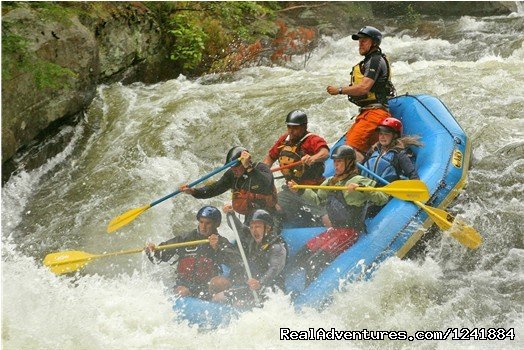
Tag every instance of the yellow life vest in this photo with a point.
(379, 92)
(291, 153)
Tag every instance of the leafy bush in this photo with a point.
(189, 41)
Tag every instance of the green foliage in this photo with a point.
(16, 57)
(189, 41)
(50, 75)
(204, 32)
(410, 17)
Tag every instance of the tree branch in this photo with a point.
(301, 6)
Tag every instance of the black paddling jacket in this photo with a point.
(197, 262)
(251, 191)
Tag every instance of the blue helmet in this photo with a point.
(210, 212)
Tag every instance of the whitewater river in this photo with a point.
(137, 143)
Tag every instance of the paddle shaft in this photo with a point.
(196, 182)
(130, 251)
(287, 166)
(243, 254)
(385, 182)
(344, 188)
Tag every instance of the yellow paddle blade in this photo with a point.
(64, 262)
(466, 235)
(407, 190)
(126, 218)
(441, 217)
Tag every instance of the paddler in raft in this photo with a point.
(199, 271)
(345, 211)
(266, 253)
(309, 150)
(252, 185)
(391, 157)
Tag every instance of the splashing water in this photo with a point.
(137, 143)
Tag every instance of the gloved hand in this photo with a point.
(245, 159)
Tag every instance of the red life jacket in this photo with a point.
(245, 202)
(197, 268)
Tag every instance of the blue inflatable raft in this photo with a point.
(442, 164)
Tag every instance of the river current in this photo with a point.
(139, 142)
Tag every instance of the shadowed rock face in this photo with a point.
(53, 65)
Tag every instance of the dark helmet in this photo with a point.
(210, 212)
(390, 125)
(371, 32)
(262, 215)
(296, 117)
(234, 153)
(343, 152)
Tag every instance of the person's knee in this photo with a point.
(326, 221)
(182, 291)
(219, 284)
(360, 156)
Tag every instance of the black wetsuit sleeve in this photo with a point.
(222, 185)
(406, 167)
(166, 254)
(276, 263)
(262, 175)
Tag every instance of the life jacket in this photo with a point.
(379, 92)
(305, 175)
(341, 214)
(245, 201)
(383, 165)
(196, 268)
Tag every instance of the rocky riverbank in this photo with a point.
(55, 54)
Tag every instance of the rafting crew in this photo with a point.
(252, 185)
(199, 270)
(309, 150)
(369, 89)
(345, 210)
(266, 253)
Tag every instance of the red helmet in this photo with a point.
(390, 124)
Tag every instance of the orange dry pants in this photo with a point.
(361, 135)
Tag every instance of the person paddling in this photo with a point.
(199, 267)
(298, 144)
(252, 185)
(391, 158)
(345, 212)
(266, 254)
